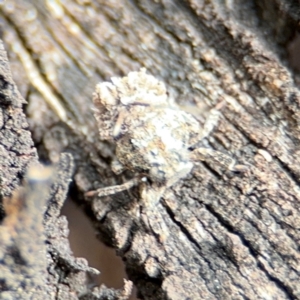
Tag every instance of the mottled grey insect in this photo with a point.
(153, 136)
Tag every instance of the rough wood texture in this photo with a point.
(35, 258)
(215, 234)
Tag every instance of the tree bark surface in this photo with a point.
(215, 234)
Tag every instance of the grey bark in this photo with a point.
(215, 234)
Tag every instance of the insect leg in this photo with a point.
(218, 158)
(111, 190)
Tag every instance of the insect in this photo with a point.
(154, 138)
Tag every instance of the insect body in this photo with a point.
(153, 136)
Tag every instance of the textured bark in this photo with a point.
(35, 259)
(215, 234)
